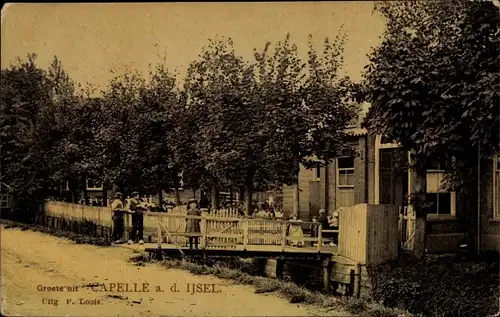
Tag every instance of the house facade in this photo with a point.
(375, 174)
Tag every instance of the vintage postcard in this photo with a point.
(306, 158)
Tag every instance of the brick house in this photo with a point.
(376, 175)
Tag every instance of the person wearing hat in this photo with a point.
(193, 225)
(136, 209)
(118, 223)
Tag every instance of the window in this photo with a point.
(496, 187)
(345, 171)
(440, 201)
(318, 172)
(93, 184)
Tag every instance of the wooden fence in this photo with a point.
(369, 233)
(223, 227)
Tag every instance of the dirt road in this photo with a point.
(42, 275)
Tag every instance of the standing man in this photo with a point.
(136, 209)
(118, 223)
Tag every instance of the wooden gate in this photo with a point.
(407, 221)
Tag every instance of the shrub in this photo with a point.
(443, 286)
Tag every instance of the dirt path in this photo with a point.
(31, 260)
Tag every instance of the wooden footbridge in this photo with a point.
(368, 235)
(221, 237)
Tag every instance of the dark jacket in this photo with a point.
(193, 225)
(323, 220)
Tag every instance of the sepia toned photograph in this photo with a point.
(332, 158)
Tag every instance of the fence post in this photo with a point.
(203, 232)
(320, 236)
(283, 236)
(159, 233)
(245, 234)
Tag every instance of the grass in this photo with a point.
(288, 290)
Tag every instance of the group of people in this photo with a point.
(329, 222)
(134, 206)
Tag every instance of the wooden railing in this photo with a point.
(216, 232)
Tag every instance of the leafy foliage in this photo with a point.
(438, 287)
(30, 102)
(231, 125)
(136, 132)
(434, 81)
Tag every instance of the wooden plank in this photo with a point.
(320, 237)
(283, 236)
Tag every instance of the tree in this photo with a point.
(136, 131)
(157, 121)
(306, 105)
(434, 87)
(30, 128)
(227, 131)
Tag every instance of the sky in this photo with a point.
(93, 39)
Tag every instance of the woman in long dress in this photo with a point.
(193, 225)
(296, 231)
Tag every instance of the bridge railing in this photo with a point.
(217, 232)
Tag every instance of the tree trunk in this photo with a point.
(248, 201)
(86, 196)
(296, 200)
(85, 192)
(468, 215)
(74, 192)
(249, 190)
(104, 196)
(178, 196)
(327, 186)
(215, 196)
(160, 198)
(296, 189)
(241, 195)
(419, 189)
